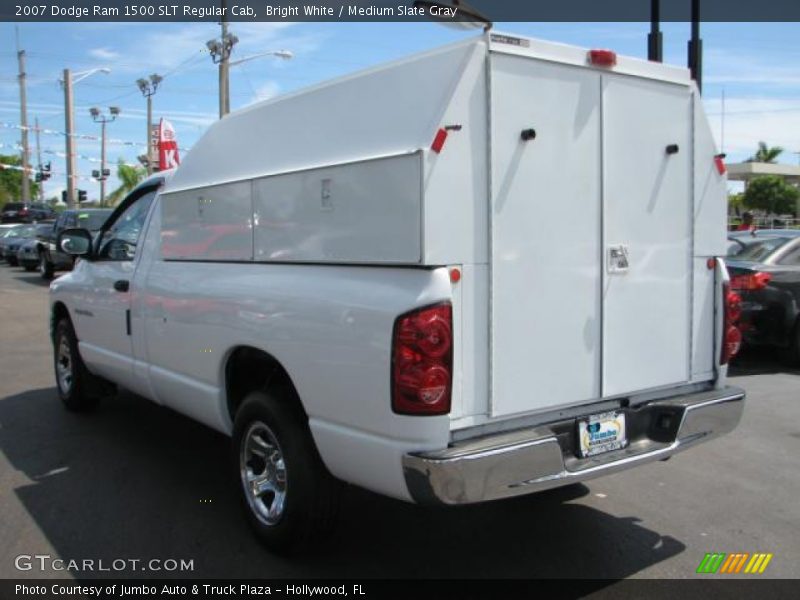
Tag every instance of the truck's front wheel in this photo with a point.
(77, 388)
(289, 497)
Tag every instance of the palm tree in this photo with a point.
(129, 176)
(766, 154)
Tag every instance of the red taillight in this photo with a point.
(733, 306)
(602, 58)
(750, 282)
(23, 211)
(422, 361)
(731, 336)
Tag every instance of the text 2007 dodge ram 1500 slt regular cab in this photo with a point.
(483, 271)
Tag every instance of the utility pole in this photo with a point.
(103, 173)
(220, 53)
(148, 88)
(696, 47)
(69, 126)
(39, 160)
(23, 122)
(224, 72)
(654, 39)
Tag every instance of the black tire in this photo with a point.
(30, 268)
(45, 267)
(310, 494)
(83, 390)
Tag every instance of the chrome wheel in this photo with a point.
(263, 473)
(64, 366)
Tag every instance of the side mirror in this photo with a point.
(75, 242)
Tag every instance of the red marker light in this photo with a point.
(711, 263)
(602, 58)
(455, 275)
(438, 141)
(719, 160)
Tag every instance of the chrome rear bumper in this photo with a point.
(543, 457)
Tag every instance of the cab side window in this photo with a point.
(121, 237)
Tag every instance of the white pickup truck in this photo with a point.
(483, 271)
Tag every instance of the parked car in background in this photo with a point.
(26, 212)
(28, 253)
(765, 272)
(49, 257)
(13, 240)
(735, 245)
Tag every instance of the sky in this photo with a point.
(753, 64)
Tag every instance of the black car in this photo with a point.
(51, 258)
(26, 212)
(28, 251)
(765, 272)
(12, 242)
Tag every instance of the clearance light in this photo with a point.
(438, 141)
(602, 58)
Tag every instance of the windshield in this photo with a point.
(92, 220)
(26, 232)
(10, 232)
(760, 250)
(14, 206)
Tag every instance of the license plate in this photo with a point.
(601, 433)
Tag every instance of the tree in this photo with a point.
(129, 176)
(11, 181)
(766, 154)
(736, 201)
(771, 194)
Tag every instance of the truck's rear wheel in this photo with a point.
(288, 495)
(77, 388)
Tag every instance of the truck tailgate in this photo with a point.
(590, 235)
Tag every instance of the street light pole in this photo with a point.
(148, 87)
(103, 174)
(102, 162)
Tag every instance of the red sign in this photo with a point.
(168, 157)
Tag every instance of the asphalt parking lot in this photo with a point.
(136, 481)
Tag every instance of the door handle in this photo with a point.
(122, 285)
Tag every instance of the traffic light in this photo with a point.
(81, 195)
(43, 173)
(64, 196)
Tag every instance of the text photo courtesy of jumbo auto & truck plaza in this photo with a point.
(329, 298)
